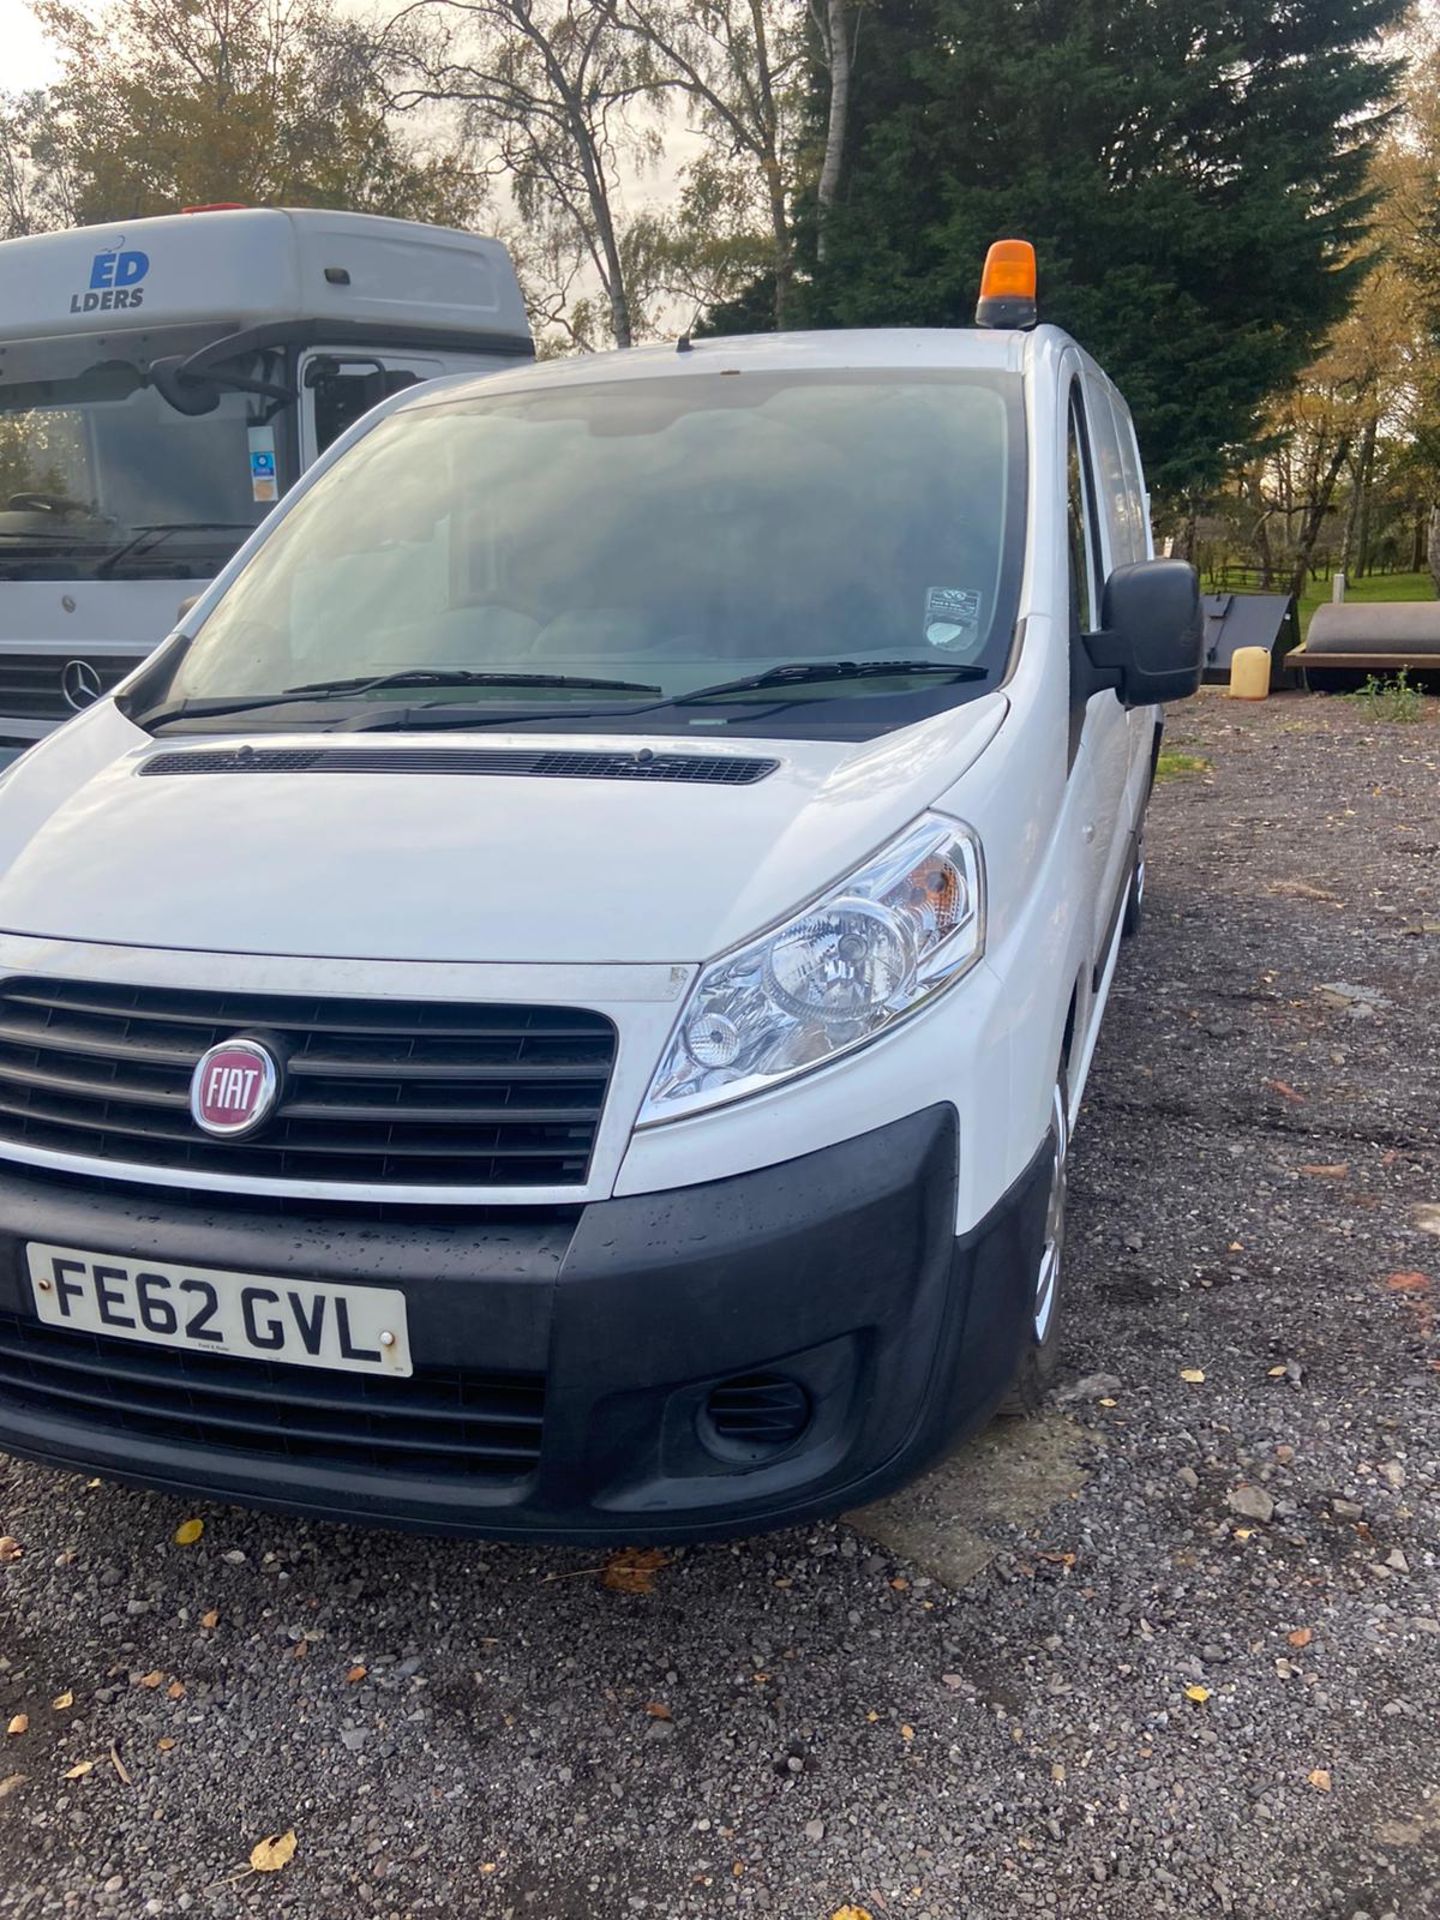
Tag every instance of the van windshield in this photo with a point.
(659, 536)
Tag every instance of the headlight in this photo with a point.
(844, 969)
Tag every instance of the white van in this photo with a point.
(555, 1003)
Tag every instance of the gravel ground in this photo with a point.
(1200, 1676)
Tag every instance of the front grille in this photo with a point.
(442, 1421)
(374, 1092)
(711, 770)
(32, 684)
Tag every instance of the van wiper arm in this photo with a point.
(803, 672)
(461, 677)
(415, 677)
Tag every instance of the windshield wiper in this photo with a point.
(161, 531)
(415, 677)
(462, 677)
(803, 672)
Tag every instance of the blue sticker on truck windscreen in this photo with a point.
(115, 276)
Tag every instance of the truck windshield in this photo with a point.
(99, 475)
(668, 534)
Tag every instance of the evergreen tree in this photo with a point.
(1192, 173)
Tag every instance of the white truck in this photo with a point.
(164, 381)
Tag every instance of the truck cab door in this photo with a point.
(337, 387)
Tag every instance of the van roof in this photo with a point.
(253, 266)
(874, 349)
(897, 348)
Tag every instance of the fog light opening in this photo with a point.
(753, 1418)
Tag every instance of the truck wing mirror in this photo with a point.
(185, 393)
(1151, 643)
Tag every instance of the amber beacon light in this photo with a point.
(1007, 286)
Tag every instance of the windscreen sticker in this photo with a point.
(264, 481)
(952, 618)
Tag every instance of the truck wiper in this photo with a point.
(161, 531)
(804, 672)
(415, 677)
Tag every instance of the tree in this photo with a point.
(837, 54)
(738, 64)
(1193, 173)
(168, 103)
(547, 87)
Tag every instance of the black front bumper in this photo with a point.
(605, 1327)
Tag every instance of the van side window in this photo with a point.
(1084, 612)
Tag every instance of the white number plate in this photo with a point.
(306, 1323)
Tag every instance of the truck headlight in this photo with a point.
(867, 953)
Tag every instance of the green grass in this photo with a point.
(1379, 586)
(1180, 766)
(1391, 698)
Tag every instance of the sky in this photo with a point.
(25, 60)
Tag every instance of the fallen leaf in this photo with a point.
(1408, 1282)
(11, 1782)
(277, 1850)
(165, 1743)
(900, 1583)
(10, 1547)
(211, 1619)
(175, 1690)
(1301, 1637)
(1198, 1694)
(1107, 1402)
(632, 1570)
(737, 1868)
(1275, 1373)
(188, 1532)
(151, 1679)
(872, 1716)
(1300, 890)
(356, 1675)
(118, 1764)
(81, 1768)
(852, 1913)
(63, 1700)
(1285, 1091)
(19, 1724)
(1319, 1778)
(907, 1733)
(1244, 1533)
(1341, 1171)
(658, 1710)
(1195, 1375)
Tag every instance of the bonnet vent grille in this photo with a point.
(710, 770)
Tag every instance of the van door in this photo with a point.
(337, 387)
(1099, 728)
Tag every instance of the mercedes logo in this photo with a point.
(80, 684)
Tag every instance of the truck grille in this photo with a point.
(441, 1421)
(376, 1092)
(32, 685)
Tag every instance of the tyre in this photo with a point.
(1042, 1347)
(1135, 898)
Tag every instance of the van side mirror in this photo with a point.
(1151, 643)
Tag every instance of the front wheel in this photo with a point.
(1042, 1346)
(1135, 899)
